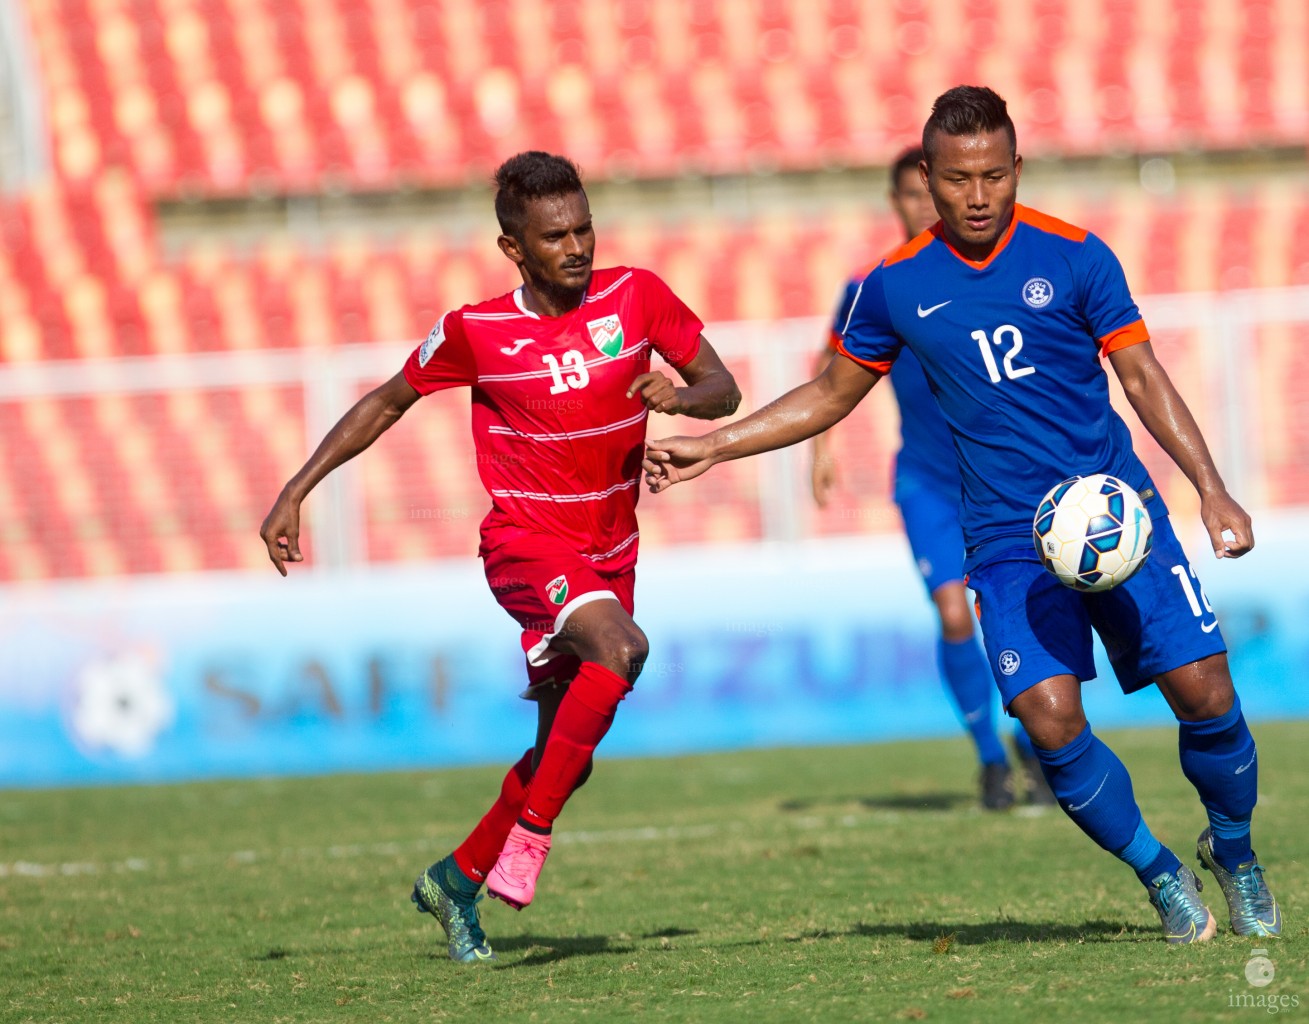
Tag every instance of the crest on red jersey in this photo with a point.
(557, 590)
(607, 334)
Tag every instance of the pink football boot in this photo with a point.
(513, 879)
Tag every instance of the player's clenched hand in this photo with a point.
(823, 478)
(281, 533)
(1221, 514)
(657, 392)
(675, 459)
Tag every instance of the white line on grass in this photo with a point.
(651, 833)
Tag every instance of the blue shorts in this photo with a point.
(1034, 627)
(931, 522)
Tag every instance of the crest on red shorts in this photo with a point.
(607, 334)
(557, 590)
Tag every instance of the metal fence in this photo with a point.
(168, 463)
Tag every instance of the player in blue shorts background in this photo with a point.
(1009, 311)
(927, 491)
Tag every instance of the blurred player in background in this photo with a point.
(560, 372)
(1008, 310)
(927, 490)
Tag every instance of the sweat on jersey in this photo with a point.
(559, 444)
(1011, 349)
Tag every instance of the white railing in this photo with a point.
(1210, 342)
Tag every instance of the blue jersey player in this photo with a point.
(1009, 312)
(927, 488)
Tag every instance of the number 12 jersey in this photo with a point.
(1011, 347)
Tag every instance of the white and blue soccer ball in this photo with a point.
(1092, 532)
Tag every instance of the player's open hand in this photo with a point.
(281, 533)
(1224, 518)
(657, 392)
(675, 459)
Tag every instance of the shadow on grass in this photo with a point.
(670, 933)
(543, 949)
(943, 934)
(889, 802)
(920, 802)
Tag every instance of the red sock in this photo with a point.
(584, 716)
(477, 854)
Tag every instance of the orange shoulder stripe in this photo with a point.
(882, 369)
(911, 248)
(1131, 334)
(1053, 225)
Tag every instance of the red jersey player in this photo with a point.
(561, 379)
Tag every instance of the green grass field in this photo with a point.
(826, 884)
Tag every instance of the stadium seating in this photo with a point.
(221, 96)
(107, 483)
(85, 275)
(157, 99)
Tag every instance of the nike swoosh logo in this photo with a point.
(1211, 627)
(518, 346)
(1093, 795)
(928, 312)
(1247, 763)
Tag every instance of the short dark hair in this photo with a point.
(527, 176)
(968, 110)
(909, 159)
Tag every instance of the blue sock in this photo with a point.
(1022, 741)
(1148, 857)
(1095, 790)
(447, 873)
(1218, 756)
(966, 674)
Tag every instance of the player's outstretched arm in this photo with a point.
(711, 389)
(1156, 401)
(355, 431)
(799, 414)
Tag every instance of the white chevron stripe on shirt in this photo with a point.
(613, 551)
(631, 350)
(600, 295)
(588, 496)
(569, 435)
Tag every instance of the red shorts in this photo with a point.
(541, 581)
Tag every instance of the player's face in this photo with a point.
(912, 203)
(973, 180)
(556, 249)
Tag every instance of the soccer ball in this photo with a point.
(1092, 532)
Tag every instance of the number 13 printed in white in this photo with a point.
(572, 374)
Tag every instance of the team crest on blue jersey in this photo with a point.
(433, 342)
(1038, 292)
(607, 334)
(1008, 662)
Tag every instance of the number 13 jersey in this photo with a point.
(558, 441)
(1011, 348)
